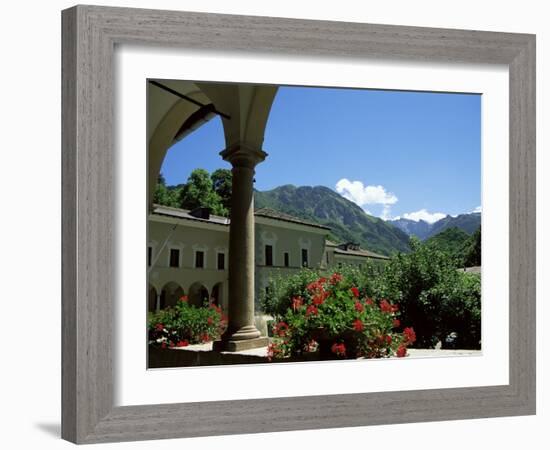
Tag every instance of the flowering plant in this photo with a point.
(186, 324)
(336, 319)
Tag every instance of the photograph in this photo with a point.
(271, 222)
(294, 224)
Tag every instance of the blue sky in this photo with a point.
(396, 154)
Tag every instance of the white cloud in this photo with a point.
(363, 195)
(386, 213)
(424, 215)
(477, 210)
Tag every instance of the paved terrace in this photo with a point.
(203, 355)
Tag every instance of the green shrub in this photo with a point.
(433, 295)
(333, 317)
(281, 290)
(185, 324)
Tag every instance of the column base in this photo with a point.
(237, 346)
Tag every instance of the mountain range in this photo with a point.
(348, 222)
(423, 230)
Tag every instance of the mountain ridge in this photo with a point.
(467, 222)
(348, 221)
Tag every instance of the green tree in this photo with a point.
(451, 241)
(434, 296)
(165, 195)
(222, 180)
(472, 251)
(199, 192)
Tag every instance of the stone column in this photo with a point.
(157, 303)
(242, 334)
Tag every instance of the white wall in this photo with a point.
(30, 152)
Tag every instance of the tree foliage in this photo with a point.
(472, 250)
(222, 181)
(434, 295)
(166, 195)
(200, 190)
(463, 248)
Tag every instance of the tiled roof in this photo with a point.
(185, 214)
(264, 212)
(272, 214)
(360, 252)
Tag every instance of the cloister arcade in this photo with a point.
(176, 108)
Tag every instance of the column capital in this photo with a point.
(243, 155)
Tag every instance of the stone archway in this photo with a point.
(245, 110)
(198, 294)
(216, 297)
(170, 294)
(152, 299)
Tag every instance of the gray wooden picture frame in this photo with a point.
(89, 37)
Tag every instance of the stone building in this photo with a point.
(187, 254)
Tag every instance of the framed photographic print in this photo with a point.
(248, 202)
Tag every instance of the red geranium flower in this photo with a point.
(369, 301)
(272, 351)
(215, 307)
(184, 298)
(159, 327)
(335, 278)
(183, 343)
(355, 291)
(319, 298)
(210, 321)
(385, 306)
(396, 323)
(204, 337)
(401, 351)
(409, 336)
(388, 339)
(297, 303)
(312, 310)
(163, 345)
(338, 349)
(280, 329)
(359, 306)
(317, 285)
(358, 325)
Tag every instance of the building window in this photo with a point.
(221, 261)
(327, 259)
(268, 255)
(305, 262)
(287, 259)
(199, 260)
(174, 257)
(149, 255)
